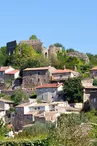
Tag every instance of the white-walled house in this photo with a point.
(48, 92)
(4, 70)
(5, 105)
(39, 107)
(7, 73)
(14, 74)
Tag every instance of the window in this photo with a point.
(42, 96)
(38, 73)
(38, 80)
(94, 99)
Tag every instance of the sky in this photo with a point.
(73, 23)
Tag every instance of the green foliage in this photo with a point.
(26, 57)
(70, 50)
(18, 97)
(24, 142)
(73, 90)
(95, 82)
(33, 37)
(93, 59)
(70, 131)
(58, 45)
(36, 130)
(3, 55)
(33, 96)
(3, 129)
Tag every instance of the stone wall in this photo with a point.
(79, 55)
(36, 44)
(35, 78)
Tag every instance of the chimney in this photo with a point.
(75, 68)
(64, 67)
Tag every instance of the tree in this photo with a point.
(18, 97)
(71, 130)
(70, 50)
(95, 82)
(33, 37)
(3, 55)
(3, 129)
(26, 56)
(58, 45)
(73, 90)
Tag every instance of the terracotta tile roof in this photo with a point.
(12, 72)
(4, 68)
(39, 68)
(94, 68)
(90, 87)
(62, 71)
(6, 101)
(49, 86)
(39, 104)
(23, 105)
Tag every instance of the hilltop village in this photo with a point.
(32, 85)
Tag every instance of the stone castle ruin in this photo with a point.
(79, 55)
(51, 52)
(36, 44)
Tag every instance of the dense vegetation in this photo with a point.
(73, 90)
(68, 130)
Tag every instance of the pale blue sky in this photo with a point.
(70, 22)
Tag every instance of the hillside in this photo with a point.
(25, 56)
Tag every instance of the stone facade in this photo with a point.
(61, 75)
(36, 76)
(93, 72)
(48, 92)
(90, 95)
(11, 47)
(36, 44)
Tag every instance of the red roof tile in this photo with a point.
(39, 68)
(63, 71)
(49, 86)
(12, 72)
(3, 68)
(94, 68)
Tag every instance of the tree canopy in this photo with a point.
(18, 97)
(33, 37)
(73, 90)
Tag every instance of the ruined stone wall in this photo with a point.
(79, 55)
(53, 50)
(36, 44)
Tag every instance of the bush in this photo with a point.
(95, 82)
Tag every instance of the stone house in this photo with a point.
(23, 115)
(61, 75)
(26, 112)
(39, 107)
(5, 106)
(11, 75)
(36, 76)
(93, 72)
(29, 113)
(90, 96)
(50, 116)
(48, 92)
